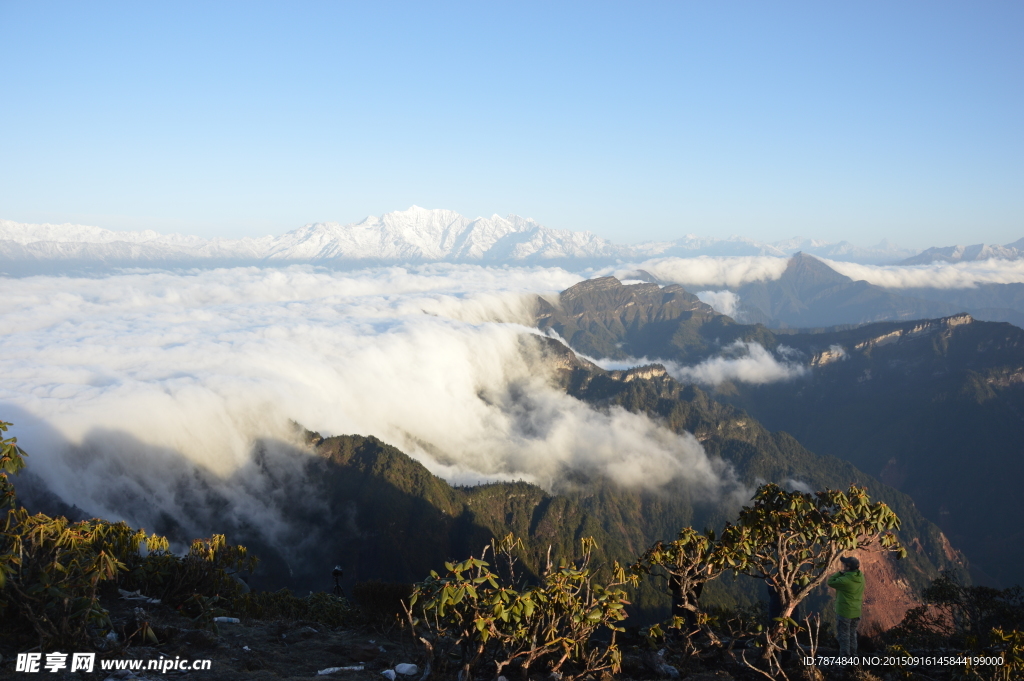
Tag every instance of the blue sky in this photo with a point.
(636, 121)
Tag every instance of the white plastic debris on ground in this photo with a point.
(136, 596)
(334, 670)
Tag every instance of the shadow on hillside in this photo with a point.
(301, 512)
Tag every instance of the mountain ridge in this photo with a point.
(974, 252)
(902, 400)
(413, 235)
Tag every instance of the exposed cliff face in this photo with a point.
(887, 594)
(835, 353)
(917, 330)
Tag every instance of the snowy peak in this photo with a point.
(419, 234)
(69, 233)
(408, 236)
(445, 234)
(1013, 251)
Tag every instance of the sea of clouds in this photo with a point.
(123, 388)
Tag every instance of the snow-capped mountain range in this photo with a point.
(1014, 251)
(415, 235)
(411, 236)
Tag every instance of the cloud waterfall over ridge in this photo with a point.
(135, 381)
(740, 361)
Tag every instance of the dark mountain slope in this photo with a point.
(391, 519)
(935, 409)
(810, 293)
(985, 302)
(932, 407)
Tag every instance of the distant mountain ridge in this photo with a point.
(410, 236)
(691, 246)
(811, 294)
(1013, 251)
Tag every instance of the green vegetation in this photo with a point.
(788, 539)
(602, 318)
(936, 414)
(318, 606)
(791, 539)
(53, 572)
(909, 402)
(516, 610)
(12, 460)
(493, 621)
(402, 521)
(979, 622)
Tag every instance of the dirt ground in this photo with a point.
(256, 650)
(250, 650)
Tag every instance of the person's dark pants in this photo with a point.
(846, 632)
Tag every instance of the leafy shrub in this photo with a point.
(54, 571)
(481, 618)
(1010, 646)
(958, 615)
(978, 621)
(687, 563)
(51, 570)
(12, 460)
(207, 569)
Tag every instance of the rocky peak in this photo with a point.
(806, 271)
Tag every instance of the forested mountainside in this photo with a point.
(810, 293)
(604, 319)
(369, 507)
(932, 407)
(389, 518)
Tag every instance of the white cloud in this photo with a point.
(794, 485)
(741, 361)
(125, 384)
(936, 275)
(725, 302)
(708, 271)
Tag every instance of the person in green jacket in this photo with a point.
(849, 586)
